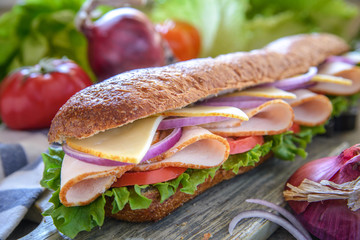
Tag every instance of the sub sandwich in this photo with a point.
(137, 146)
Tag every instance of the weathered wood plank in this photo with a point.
(212, 211)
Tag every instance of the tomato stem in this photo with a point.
(46, 66)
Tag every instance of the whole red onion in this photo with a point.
(327, 209)
(121, 40)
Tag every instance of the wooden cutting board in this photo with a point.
(210, 213)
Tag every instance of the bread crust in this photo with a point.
(157, 210)
(140, 93)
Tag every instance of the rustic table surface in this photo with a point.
(210, 213)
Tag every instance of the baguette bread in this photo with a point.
(137, 94)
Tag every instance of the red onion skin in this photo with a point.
(121, 40)
(330, 219)
(316, 171)
(333, 220)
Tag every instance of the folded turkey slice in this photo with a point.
(272, 117)
(81, 182)
(197, 148)
(310, 109)
(338, 69)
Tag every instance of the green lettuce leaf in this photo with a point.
(137, 200)
(288, 145)
(343, 103)
(234, 162)
(285, 148)
(72, 220)
(168, 188)
(193, 177)
(121, 198)
(52, 168)
(333, 16)
(36, 29)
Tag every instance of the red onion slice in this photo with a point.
(295, 82)
(171, 123)
(343, 59)
(269, 216)
(163, 145)
(354, 56)
(291, 218)
(91, 158)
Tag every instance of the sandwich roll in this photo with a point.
(204, 120)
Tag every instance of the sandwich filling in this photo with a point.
(197, 148)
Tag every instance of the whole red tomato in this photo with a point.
(183, 38)
(31, 96)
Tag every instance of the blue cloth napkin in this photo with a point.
(21, 170)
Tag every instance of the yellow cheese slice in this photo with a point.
(128, 143)
(203, 111)
(331, 79)
(265, 92)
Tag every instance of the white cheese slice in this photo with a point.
(265, 92)
(128, 143)
(203, 111)
(331, 79)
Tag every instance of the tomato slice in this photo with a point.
(148, 177)
(295, 128)
(244, 144)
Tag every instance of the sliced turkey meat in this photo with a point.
(82, 183)
(338, 69)
(310, 109)
(272, 117)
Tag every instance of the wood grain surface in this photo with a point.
(210, 213)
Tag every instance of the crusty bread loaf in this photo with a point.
(141, 93)
(158, 210)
